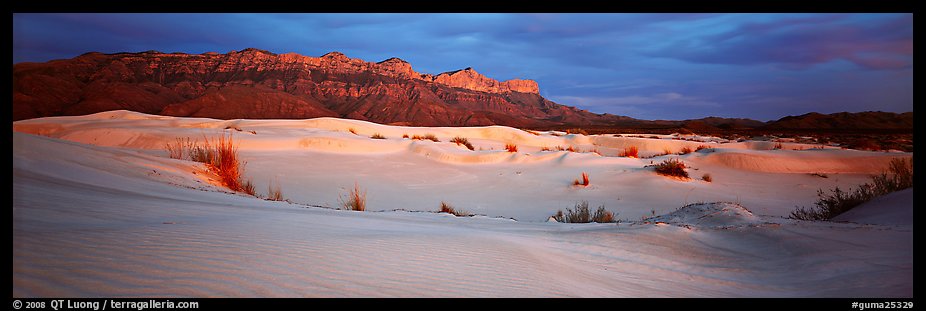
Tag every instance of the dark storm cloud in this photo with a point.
(805, 41)
(655, 66)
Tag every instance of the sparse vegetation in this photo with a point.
(447, 208)
(533, 132)
(352, 131)
(430, 137)
(570, 149)
(405, 135)
(180, 148)
(248, 187)
(702, 147)
(577, 131)
(821, 175)
(356, 200)
(581, 214)
(777, 146)
(685, 150)
(511, 147)
(221, 159)
(707, 178)
(899, 176)
(630, 152)
(545, 148)
(584, 182)
(274, 193)
(377, 136)
(672, 167)
(463, 141)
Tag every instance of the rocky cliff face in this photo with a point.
(254, 83)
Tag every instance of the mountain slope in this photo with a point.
(258, 84)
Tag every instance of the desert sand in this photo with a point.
(99, 209)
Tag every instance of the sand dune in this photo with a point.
(100, 210)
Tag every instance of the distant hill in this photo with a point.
(869, 120)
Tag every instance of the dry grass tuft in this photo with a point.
(356, 200)
(707, 178)
(447, 208)
(462, 141)
(584, 182)
(405, 135)
(248, 187)
(702, 147)
(274, 193)
(180, 148)
(511, 147)
(352, 131)
(630, 152)
(685, 150)
(672, 167)
(581, 214)
(430, 137)
(221, 158)
(377, 136)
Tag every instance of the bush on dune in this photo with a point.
(511, 147)
(581, 214)
(672, 167)
(898, 176)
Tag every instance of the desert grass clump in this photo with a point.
(352, 131)
(630, 152)
(248, 187)
(447, 208)
(685, 150)
(377, 136)
(226, 162)
(405, 135)
(355, 200)
(584, 182)
(707, 178)
(672, 167)
(463, 141)
(274, 193)
(571, 149)
(511, 147)
(602, 215)
(181, 147)
(430, 137)
(702, 147)
(581, 214)
(898, 176)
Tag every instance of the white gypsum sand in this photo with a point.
(100, 210)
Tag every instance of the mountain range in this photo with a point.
(257, 84)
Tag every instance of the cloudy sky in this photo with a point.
(648, 66)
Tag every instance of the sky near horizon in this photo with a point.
(646, 66)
